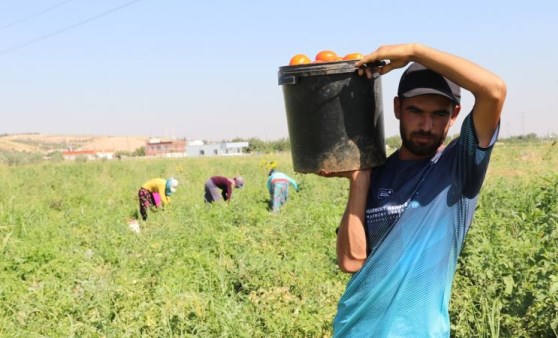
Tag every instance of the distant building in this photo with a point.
(87, 154)
(195, 148)
(173, 148)
(196, 143)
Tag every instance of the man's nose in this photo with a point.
(426, 122)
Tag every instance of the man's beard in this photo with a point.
(421, 149)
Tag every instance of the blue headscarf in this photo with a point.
(170, 186)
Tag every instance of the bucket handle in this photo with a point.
(287, 79)
(291, 79)
(372, 64)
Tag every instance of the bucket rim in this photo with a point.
(322, 68)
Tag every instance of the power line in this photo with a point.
(46, 10)
(67, 28)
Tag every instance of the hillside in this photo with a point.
(42, 143)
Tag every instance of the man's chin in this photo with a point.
(422, 149)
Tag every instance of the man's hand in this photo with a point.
(397, 56)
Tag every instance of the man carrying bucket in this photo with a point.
(405, 221)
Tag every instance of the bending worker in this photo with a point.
(155, 193)
(220, 187)
(278, 187)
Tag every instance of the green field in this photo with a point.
(70, 266)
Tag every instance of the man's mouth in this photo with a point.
(423, 137)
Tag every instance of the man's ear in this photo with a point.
(456, 111)
(397, 107)
(454, 114)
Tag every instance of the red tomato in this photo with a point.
(353, 56)
(326, 56)
(299, 59)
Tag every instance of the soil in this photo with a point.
(46, 143)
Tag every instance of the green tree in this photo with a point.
(255, 145)
(55, 156)
(393, 142)
(139, 152)
(283, 144)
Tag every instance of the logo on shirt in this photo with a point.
(384, 193)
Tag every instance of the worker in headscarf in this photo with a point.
(155, 193)
(278, 187)
(220, 187)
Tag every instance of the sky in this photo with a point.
(208, 69)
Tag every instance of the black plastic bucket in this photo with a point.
(335, 117)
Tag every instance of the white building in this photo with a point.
(195, 149)
(87, 154)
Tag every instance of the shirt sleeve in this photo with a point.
(268, 184)
(161, 189)
(228, 192)
(293, 183)
(471, 161)
(165, 199)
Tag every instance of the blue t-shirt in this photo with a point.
(417, 216)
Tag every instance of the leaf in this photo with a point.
(508, 281)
